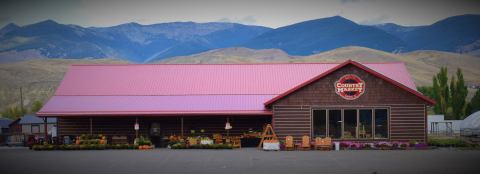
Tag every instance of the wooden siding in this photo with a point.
(292, 120)
(407, 121)
(111, 126)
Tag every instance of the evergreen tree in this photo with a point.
(458, 96)
(13, 112)
(441, 91)
(36, 106)
(474, 104)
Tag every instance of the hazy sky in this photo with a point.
(271, 13)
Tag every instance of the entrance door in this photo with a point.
(156, 135)
(335, 123)
(320, 123)
(350, 124)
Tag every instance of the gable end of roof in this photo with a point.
(358, 65)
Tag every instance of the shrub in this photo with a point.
(178, 146)
(143, 141)
(124, 146)
(412, 143)
(447, 142)
(367, 146)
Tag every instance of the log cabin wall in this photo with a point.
(169, 125)
(292, 114)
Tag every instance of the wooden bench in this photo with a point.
(323, 143)
(119, 140)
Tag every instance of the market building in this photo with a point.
(345, 101)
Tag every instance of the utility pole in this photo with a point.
(21, 99)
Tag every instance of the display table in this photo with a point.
(271, 145)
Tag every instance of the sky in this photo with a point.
(270, 13)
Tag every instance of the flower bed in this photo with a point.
(96, 142)
(83, 147)
(382, 145)
(91, 139)
(180, 145)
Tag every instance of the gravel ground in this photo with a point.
(246, 160)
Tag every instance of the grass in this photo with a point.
(39, 78)
(455, 141)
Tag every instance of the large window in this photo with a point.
(320, 123)
(335, 123)
(381, 121)
(350, 123)
(362, 123)
(365, 124)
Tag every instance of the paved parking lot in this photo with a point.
(247, 160)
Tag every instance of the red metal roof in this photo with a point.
(166, 89)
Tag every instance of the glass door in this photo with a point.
(365, 124)
(350, 124)
(319, 123)
(335, 123)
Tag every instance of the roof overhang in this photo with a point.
(157, 114)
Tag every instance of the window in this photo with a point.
(35, 129)
(335, 123)
(381, 121)
(350, 123)
(320, 123)
(365, 124)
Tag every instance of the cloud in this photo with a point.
(5, 20)
(350, 1)
(248, 20)
(376, 20)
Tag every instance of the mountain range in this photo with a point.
(131, 41)
(148, 43)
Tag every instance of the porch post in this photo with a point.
(91, 125)
(181, 126)
(45, 129)
(136, 130)
(228, 130)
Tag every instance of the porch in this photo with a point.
(158, 129)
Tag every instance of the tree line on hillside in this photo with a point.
(451, 97)
(14, 112)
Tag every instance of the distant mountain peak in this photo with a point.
(460, 19)
(11, 25)
(8, 28)
(334, 18)
(132, 24)
(48, 21)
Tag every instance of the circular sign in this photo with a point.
(350, 87)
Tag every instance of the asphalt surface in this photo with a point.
(247, 160)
